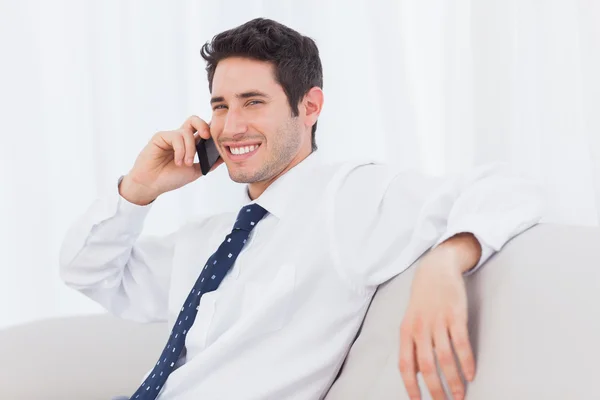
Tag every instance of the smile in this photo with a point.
(242, 152)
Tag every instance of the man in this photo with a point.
(265, 303)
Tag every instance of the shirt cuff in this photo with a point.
(133, 212)
(118, 216)
(486, 253)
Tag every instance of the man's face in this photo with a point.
(252, 122)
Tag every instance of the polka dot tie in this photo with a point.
(211, 276)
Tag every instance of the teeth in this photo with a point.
(242, 150)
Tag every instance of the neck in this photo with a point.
(255, 189)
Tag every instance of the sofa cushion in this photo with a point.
(91, 357)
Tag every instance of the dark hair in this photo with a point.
(295, 57)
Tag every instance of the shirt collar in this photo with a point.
(277, 197)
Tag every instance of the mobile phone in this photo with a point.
(208, 154)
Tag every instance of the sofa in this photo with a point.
(534, 316)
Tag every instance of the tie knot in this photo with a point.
(249, 216)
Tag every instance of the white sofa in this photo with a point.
(534, 320)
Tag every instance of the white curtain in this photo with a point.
(439, 85)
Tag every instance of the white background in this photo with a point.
(438, 85)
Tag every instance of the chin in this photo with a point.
(243, 177)
(251, 173)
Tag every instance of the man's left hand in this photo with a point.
(436, 321)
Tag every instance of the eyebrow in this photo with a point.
(245, 95)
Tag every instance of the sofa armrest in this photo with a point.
(88, 357)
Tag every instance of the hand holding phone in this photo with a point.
(167, 162)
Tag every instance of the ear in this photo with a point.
(311, 106)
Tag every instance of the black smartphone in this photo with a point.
(208, 154)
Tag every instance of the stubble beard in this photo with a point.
(284, 146)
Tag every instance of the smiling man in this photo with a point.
(265, 303)
(258, 131)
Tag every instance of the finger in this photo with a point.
(462, 345)
(196, 124)
(426, 363)
(407, 364)
(190, 147)
(178, 148)
(445, 357)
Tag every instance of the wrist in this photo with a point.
(135, 193)
(463, 249)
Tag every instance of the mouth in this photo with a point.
(240, 152)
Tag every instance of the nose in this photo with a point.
(235, 124)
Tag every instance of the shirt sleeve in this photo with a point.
(103, 257)
(383, 220)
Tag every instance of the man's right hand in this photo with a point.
(166, 163)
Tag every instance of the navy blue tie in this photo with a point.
(211, 276)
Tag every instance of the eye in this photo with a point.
(219, 107)
(253, 102)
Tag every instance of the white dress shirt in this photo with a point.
(283, 319)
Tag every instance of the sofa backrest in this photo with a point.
(534, 313)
